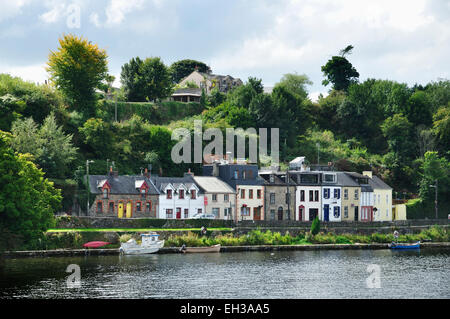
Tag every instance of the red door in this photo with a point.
(300, 212)
(178, 213)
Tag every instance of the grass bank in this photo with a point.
(257, 237)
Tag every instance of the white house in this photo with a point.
(331, 197)
(308, 199)
(180, 197)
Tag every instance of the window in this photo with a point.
(345, 211)
(169, 213)
(245, 211)
(356, 194)
(105, 193)
(250, 174)
(258, 194)
(111, 207)
(181, 194)
(288, 197)
(337, 212)
(326, 193)
(216, 212)
(226, 197)
(316, 196)
(199, 211)
(311, 196)
(244, 175)
(387, 198)
(309, 179)
(345, 193)
(272, 198)
(99, 207)
(148, 207)
(143, 193)
(186, 213)
(272, 214)
(329, 178)
(193, 194)
(169, 194)
(302, 195)
(236, 174)
(214, 197)
(242, 193)
(272, 179)
(337, 193)
(138, 206)
(227, 212)
(250, 193)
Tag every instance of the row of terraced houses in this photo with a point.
(239, 191)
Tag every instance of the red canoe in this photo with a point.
(95, 244)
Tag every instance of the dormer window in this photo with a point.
(193, 194)
(105, 193)
(272, 179)
(329, 178)
(169, 194)
(181, 194)
(143, 193)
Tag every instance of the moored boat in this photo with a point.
(404, 245)
(95, 244)
(210, 249)
(150, 244)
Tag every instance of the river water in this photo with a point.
(281, 275)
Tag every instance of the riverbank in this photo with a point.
(224, 249)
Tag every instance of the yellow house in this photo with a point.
(351, 191)
(382, 198)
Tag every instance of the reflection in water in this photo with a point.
(296, 274)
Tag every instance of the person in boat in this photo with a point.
(203, 230)
(396, 237)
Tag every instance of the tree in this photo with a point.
(418, 109)
(315, 226)
(146, 80)
(398, 132)
(295, 84)
(10, 109)
(180, 69)
(441, 126)
(51, 148)
(340, 71)
(77, 68)
(27, 200)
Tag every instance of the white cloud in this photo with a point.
(34, 73)
(117, 9)
(10, 9)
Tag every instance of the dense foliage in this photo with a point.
(27, 200)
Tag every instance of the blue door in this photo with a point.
(326, 212)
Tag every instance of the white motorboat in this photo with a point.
(150, 244)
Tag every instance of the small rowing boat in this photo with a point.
(210, 249)
(404, 246)
(95, 244)
(150, 244)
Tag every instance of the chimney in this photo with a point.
(146, 172)
(215, 171)
(189, 173)
(367, 173)
(110, 171)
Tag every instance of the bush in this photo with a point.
(315, 226)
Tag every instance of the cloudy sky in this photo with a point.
(402, 40)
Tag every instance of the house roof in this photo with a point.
(176, 182)
(188, 91)
(122, 184)
(377, 183)
(212, 184)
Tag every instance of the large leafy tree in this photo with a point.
(339, 71)
(295, 84)
(181, 69)
(51, 148)
(27, 200)
(146, 80)
(77, 68)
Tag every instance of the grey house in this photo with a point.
(279, 195)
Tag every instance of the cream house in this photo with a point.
(220, 198)
(382, 198)
(350, 197)
(209, 82)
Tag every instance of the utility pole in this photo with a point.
(88, 185)
(318, 149)
(435, 186)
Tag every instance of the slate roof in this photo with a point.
(279, 178)
(162, 182)
(211, 184)
(377, 183)
(122, 184)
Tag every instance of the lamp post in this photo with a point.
(435, 186)
(88, 185)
